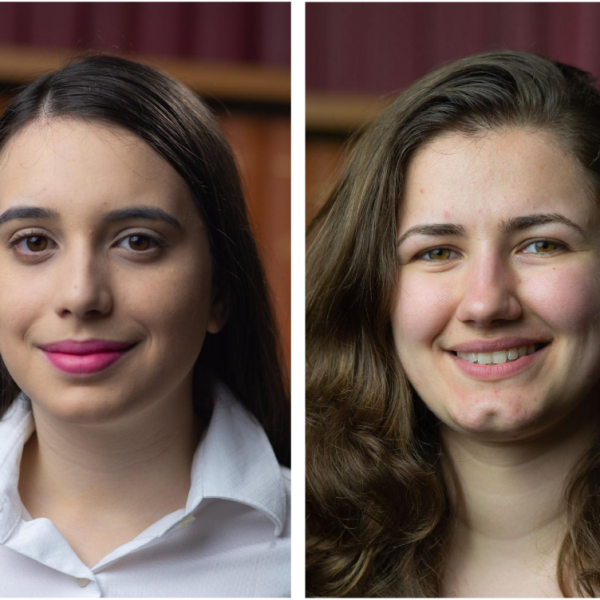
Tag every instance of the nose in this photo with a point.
(490, 292)
(83, 288)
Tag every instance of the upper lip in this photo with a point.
(85, 346)
(496, 345)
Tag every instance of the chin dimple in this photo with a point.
(499, 357)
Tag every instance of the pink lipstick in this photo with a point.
(85, 357)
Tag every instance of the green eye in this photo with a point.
(542, 247)
(438, 255)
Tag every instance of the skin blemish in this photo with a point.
(422, 190)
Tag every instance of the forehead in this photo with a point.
(71, 164)
(492, 178)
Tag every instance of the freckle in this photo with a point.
(446, 214)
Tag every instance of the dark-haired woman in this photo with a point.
(143, 406)
(453, 336)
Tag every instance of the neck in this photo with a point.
(70, 469)
(509, 501)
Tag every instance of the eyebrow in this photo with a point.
(135, 212)
(510, 226)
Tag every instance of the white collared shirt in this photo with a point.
(231, 540)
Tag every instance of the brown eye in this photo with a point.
(37, 243)
(139, 242)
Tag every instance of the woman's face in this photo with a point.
(77, 263)
(497, 319)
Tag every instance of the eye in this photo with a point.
(31, 243)
(140, 242)
(543, 247)
(437, 255)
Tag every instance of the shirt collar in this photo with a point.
(234, 461)
(15, 429)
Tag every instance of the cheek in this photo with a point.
(422, 310)
(23, 299)
(173, 304)
(567, 298)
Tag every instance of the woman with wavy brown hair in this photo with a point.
(453, 342)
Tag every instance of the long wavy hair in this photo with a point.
(172, 120)
(379, 516)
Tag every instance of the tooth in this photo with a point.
(484, 358)
(470, 356)
(530, 349)
(522, 351)
(513, 354)
(499, 357)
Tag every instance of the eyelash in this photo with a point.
(12, 244)
(421, 255)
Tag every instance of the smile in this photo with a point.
(499, 357)
(497, 365)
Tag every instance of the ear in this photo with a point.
(219, 313)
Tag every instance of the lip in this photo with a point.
(496, 345)
(496, 372)
(86, 346)
(85, 357)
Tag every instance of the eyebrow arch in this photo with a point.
(27, 212)
(136, 212)
(434, 229)
(510, 226)
(520, 223)
(141, 212)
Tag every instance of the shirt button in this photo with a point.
(82, 581)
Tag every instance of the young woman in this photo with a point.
(453, 337)
(144, 412)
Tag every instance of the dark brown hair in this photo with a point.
(378, 511)
(175, 123)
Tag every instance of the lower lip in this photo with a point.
(84, 364)
(496, 372)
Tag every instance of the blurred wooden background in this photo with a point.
(236, 56)
(359, 56)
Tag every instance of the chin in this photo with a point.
(496, 421)
(85, 406)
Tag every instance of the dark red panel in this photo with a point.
(377, 47)
(250, 32)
